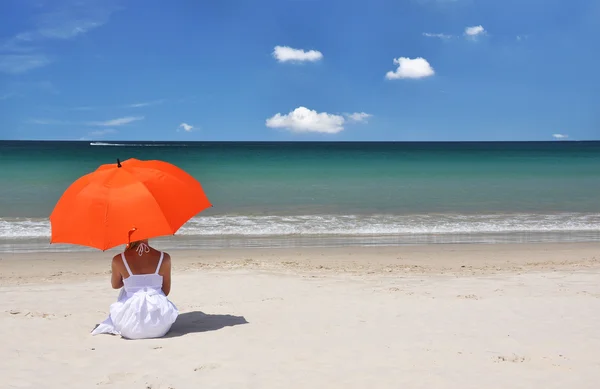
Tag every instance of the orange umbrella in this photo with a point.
(124, 202)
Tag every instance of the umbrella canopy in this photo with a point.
(124, 202)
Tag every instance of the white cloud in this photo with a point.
(475, 31)
(185, 127)
(360, 117)
(410, 68)
(107, 107)
(108, 123)
(48, 122)
(437, 35)
(17, 44)
(68, 29)
(288, 54)
(145, 104)
(304, 120)
(117, 122)
(65, 20)
(101, 133)
(560, 136)
(21, 63)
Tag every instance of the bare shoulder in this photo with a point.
(117, 262)
(117, 259)
(165, 267)
(166, 257)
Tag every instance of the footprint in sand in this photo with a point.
(157, 386)
(43, 315)
(117, 377)
(273, 299)
(208, 366)
(513, 358)
(589, 294)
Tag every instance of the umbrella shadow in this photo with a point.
(196, 321)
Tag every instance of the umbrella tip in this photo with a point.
(118, 162)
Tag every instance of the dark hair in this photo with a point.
(133, 245)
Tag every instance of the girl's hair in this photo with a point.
(133, 245)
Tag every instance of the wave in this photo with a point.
(106, 144)
(348, 225)
(136, 144)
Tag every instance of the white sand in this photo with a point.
(513, 317)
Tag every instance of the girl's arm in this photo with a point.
(116, 278)
(165, 272)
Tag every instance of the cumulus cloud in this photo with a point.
(360, 117)
(410, 68)
(304, 120)
(288, 54)
(117, 122)
(560, 136)
(474, 31)
(185, 127)
(437, 35)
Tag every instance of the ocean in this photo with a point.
(275, 194)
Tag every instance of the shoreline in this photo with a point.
(437, 259)
(338, 230)
(190, 243)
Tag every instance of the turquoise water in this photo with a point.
(335, 193)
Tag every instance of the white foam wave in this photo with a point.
(348, 225)
(135, 144)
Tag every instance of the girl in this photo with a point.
(142, 309)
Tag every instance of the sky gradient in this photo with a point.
(408, 70)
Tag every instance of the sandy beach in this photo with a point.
(439, 316)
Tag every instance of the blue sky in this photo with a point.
(405, 70)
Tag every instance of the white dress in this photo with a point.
(142, 310)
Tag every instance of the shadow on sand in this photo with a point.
(192, 322)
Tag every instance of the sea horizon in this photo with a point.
(296, 141)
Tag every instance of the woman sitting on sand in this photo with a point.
(142, 309)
